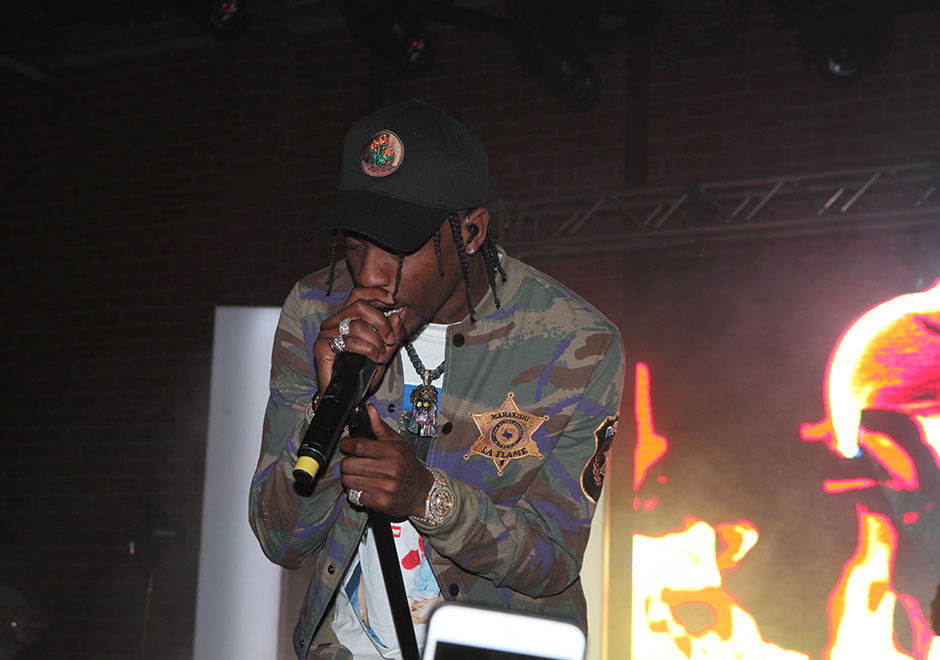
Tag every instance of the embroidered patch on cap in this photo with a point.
(506, 434)
(592, 478)
(383, 154)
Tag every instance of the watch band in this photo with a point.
(439, 505)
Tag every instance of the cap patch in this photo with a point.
(383, 154)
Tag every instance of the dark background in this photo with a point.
(152, 169)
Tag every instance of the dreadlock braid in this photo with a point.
(437, 251)
(401, 262)
(329, 281)
(464, 265)
(491, 259)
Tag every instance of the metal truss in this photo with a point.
(704, 213)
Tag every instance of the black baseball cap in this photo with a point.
(405, 168)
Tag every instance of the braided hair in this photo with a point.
(487, 247)
(490, 258)
(329, 280)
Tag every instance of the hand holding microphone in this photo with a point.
(350, 353)
(352, 374)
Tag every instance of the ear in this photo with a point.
(474, 229)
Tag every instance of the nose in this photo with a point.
(378, 268)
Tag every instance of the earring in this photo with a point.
(470, 250)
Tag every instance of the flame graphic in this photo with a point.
(681, 607)
(862, 605)
(888, 358)
(650, 446)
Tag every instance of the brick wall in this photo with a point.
(148, 183)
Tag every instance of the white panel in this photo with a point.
(592, 580)
(239, 590)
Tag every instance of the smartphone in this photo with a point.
(464, 632)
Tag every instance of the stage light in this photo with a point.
(417, 51)
(844, 39)
(412, 49)
(24, 626)
(222, 17)
(560, 66)
(226, 14)
(393, 30)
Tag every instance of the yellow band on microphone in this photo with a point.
(308, 465)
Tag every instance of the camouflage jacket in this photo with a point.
(527, 415)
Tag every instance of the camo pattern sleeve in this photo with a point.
(290, 524)
(532, 392)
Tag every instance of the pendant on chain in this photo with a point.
(423, 421)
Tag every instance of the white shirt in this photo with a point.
(362, 618)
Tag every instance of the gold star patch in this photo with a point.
(506, 434)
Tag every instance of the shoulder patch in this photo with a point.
(506, 434)
(592, 479)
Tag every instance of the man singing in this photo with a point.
(493, 409)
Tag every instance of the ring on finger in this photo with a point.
(338, 344)
(353, 496)
(344, 325)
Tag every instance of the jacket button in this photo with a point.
(331, 569)
(447, 428)
(391, 407)
(459, 339)
(453, 589)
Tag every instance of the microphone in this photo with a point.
(352, 374)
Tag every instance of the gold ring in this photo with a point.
(338, 344)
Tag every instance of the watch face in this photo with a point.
(440, 502)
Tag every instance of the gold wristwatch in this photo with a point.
(439, 505)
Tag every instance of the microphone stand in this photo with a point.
(388, 557)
